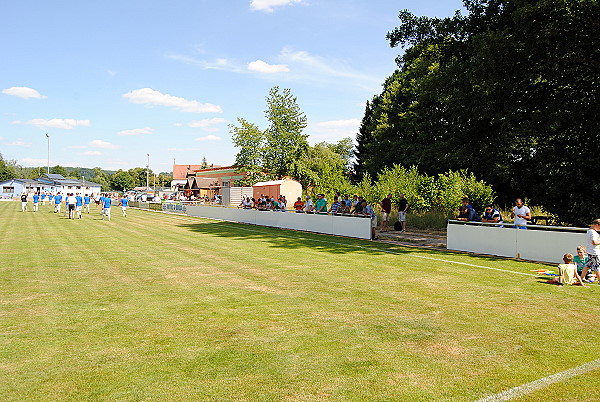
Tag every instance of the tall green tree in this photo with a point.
(272, 153)
(508, 91)
(285, 141)
(7, 170)
(58, 170)
(121, 181)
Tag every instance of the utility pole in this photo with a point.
(148, 173)
(48, 172)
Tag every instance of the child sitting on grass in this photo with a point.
(580, 260)
(567, 273)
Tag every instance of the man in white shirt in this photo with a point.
(593, 250)
(521, 214)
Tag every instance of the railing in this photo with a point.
(319, 223)
(537, 243)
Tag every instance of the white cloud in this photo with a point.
(220, 64)
(102, 144)
(207, 124)
(1, 138)
(333, 130)
(209, 137)
(148, 96)
(35, 162)
(23, 92)
(340, 124)
(91, 153)
(67, 124)
(262, 67)
(267, 5)
(19, 143)
(136, 131)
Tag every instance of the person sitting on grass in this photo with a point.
(580, 260)
(567, 273)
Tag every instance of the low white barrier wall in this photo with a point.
(537, 243)
(349, 226)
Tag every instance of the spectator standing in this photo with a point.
(299, 205)
(593, 250)
(402, 210)
(521, 214)
(309, 207)
(386, 209)
(492, 215)
(335, 206)
(467, 215)
(367, 211)
(321, 204)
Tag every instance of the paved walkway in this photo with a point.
(415, 237)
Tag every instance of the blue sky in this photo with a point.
(113, 81)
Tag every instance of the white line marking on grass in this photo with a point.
(530, 387)
(371, 248)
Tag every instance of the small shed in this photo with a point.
(291, 189)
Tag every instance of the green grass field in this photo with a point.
(156, 307)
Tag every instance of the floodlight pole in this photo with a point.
(148, 173)
(48, 153)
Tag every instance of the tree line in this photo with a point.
(508, 91)
(109, 180)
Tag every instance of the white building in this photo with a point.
(49, 183)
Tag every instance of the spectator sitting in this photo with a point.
(492, 215)
(567, 272)
(321, 204)
(580, 260)
(336, 206)
(299, 205)
(467, 215)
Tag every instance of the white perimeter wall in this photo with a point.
(349, 226)
(530, 244)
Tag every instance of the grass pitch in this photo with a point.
(165, 307)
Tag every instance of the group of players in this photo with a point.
(74, 204)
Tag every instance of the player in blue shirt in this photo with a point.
(43, 199)
(36, 199)
(124, 203)
(86, 203)
(78, 205)
(106, 201)
(57, 200)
